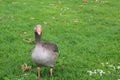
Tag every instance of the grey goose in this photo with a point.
(44, 54)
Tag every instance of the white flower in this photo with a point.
(98, 71)
(101, 72)
(95, 71)
(118, 67)
(106, 62)
(90, 73)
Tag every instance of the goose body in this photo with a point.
(45, 54)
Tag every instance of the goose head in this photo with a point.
(38, 33)
(38, 30)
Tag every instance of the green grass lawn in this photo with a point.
(87, 34)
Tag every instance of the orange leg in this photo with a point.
(51, 72)
(38, 71)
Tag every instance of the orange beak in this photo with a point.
(38, 31)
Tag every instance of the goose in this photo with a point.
(44, 54)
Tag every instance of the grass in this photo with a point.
(87, 34)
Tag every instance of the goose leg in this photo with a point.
(51, 71)
(38, 71)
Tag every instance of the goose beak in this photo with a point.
(39, 31)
